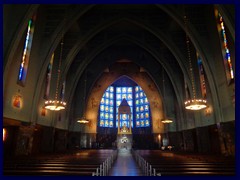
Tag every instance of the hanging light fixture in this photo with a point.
(83, 119)
(57, 105)
(192, 104)
(165, 120)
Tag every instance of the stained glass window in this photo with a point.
(124, 92)
(226, 53)
(106, 108)
(136, 99)
(202, 76)
(62, 92)
(26, 53)
(142, 108)
(48, 77)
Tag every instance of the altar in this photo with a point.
(124, 138)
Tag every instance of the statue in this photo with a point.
(124, 128)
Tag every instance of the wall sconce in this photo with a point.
(208, 111)
(4, 134)
(83, 120)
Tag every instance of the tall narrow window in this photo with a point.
(124, 93)
(62, 93)
(106, 108)
(225, 48)
(186, 89)
(142, 108)
(48, 77)
(202, 76)
(26, 53)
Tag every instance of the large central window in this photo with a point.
(124, 93)
(136, 99)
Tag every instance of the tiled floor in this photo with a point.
(125, 165)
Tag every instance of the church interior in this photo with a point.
(119, 89)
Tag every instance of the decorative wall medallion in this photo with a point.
(17, 101)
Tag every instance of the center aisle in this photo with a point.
(125, 165)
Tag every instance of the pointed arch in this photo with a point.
(108, 78)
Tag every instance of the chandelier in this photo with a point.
(83, 119)
(192, 104)
(165, 120)
(56, 105)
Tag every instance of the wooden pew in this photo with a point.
(172, 164)
(82, 163)
(46, 173)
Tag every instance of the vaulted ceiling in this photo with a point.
(150, 35)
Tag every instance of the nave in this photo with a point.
(119, 89)
(122, 162)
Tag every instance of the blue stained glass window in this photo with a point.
(110, 123)
(129, 96)
(138, 102)
(101, 122)
(225, 46)
(142, 108)
(106, 108)
(118, 96)
(137, 123)
(106, 123)
(111, 110)
(146, 100)
(119, 90)
(102, 101)
(107, 102)
(111, 102)
(137, 109)
(106, 116)
(111, 116)
(126, 93)
(111, 96)
(26, 53)
(147, 123)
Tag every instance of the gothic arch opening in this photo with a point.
(138, 78)
(124, 88)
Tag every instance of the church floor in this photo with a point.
(125, 165)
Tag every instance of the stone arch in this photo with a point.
(133, 72)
